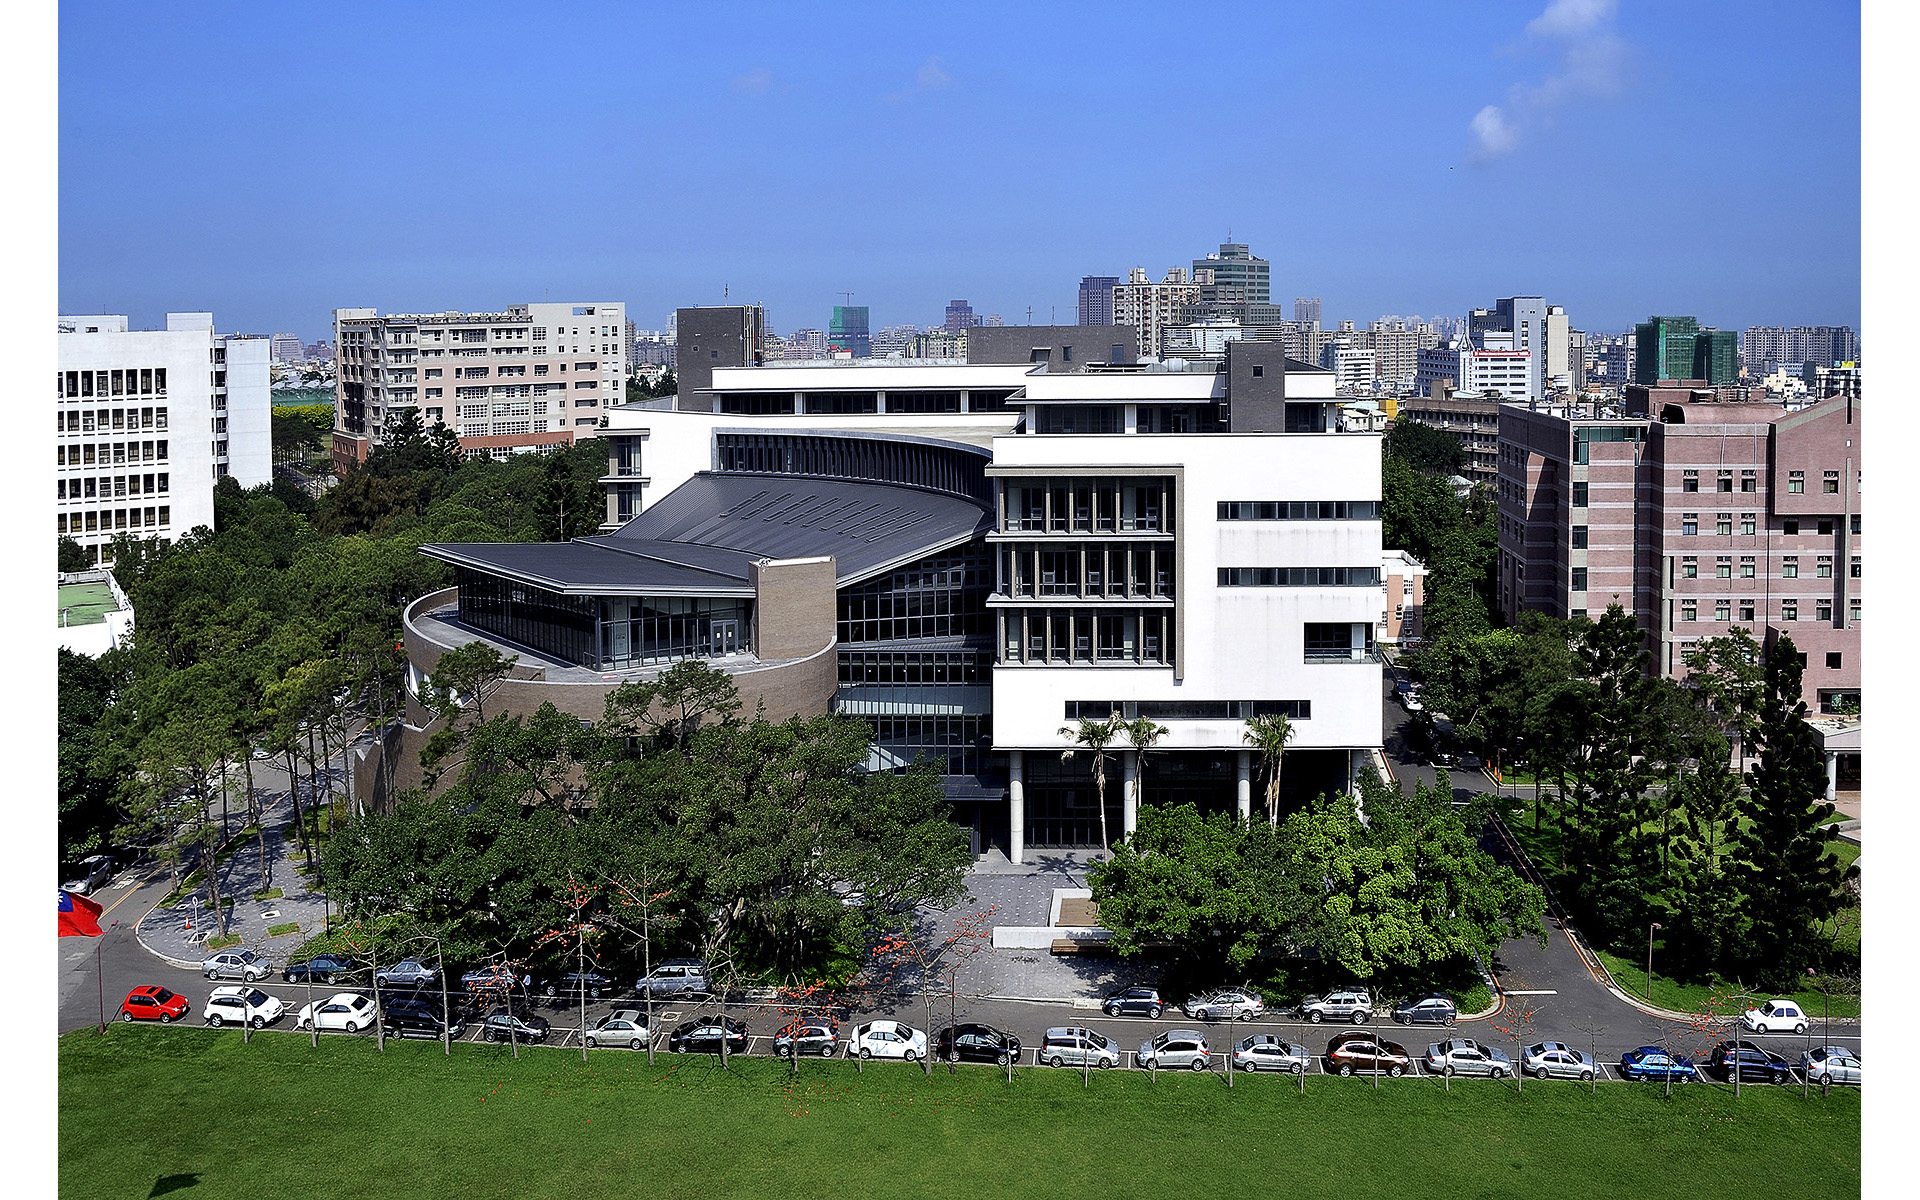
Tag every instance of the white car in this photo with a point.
(887, 1039)
(1831, 1064)
(343, 1010)
(243, 1005)
(1781, 1015)
(623, 1027)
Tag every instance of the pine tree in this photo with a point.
(1790, 879)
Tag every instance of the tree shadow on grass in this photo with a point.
(172, 1183)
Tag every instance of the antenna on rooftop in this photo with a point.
(848, 295)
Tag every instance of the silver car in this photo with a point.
(1265, 1052)
(1464, 1056)
(622, 1027)
(675, 977)
(1231, 1004)
(1069, 1046)
(1556, 1060)
(1352, 1005)
(237, 964)
(1831, 1064)
(1175, 1048)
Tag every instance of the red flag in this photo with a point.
(79, 916)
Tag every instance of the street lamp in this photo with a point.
(1650, 928)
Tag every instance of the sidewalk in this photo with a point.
(177, 934)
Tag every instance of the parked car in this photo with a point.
(409, 973)
(1175, 1048)
(1831, 1064)
(321, 968)
(1134, 1001)
(1229, 1003)
(243, 1005)
(1265, 1052)
(1654, 1062)
(570, 983)
(674, 977)
(1464, 1056)
(517, 1024)
(807, 1037)
(237, 964)
(347, 1011)
(94, 871)
(1351, 1052)
(494, 984)
(1544, 1060)
(621, 1027)
(1774, 1015)
(1351, 1005)
(887, 1039)
(704, 1033)
(419, 1019)
(976, 1043)
(1434, 1008)
(151, 1002)
(1070, 1046)
(1753, 1063)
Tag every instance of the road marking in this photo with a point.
(1517, 992)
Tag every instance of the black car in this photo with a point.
(976, 1043)
(409, 1018)
(1434, 1008)
(321, 968)
(1755, 1065)
(1134, 1001)
(569, 984)
(704, 1034)
(501, 1026)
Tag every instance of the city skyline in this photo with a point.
(1563, 111)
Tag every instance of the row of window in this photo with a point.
(103, 487)
(1086, 636)
(947, 469)
(1125, 569)
(112, 520)
(1789, 566)
(923, 667)
(1189, 710)
(942, 596)
(1789, 609)
(1749, 481)
(1299, 576)
(143, 381)
(1829, 482)
(1749, 525)
(87, 454)
(87, 420)
(1299, 510)
(1090, 506)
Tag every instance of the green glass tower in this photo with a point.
(1663, 349)
(1716, 356)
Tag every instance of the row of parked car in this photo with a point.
(674, 977)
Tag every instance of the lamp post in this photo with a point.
(99, 974)
(1650, 928)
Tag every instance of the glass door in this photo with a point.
(726, 638)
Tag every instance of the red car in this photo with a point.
(153, 1003)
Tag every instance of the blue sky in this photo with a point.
(273, 162)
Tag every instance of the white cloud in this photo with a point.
(931, 74)
(1593, 63)
(753, 82)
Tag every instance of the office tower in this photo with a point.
(847, 331)
(1306, 310)
(533, 377)
(1236, 276)
(1716, 356)
(1663, 349)
(960, 316)
(287, 348)
(1096, 299)
(148, 420)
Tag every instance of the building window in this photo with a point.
(1579, 537)
(1299, 577)
(1723, 525)
(1856, 524)
(1259, 372)
(1689, 524)
(1689, 610)
(1723, 567)
(1796, 482)
(1789, 610)
(1830, 483)
(1579, 493)
(1747, 482)
(1748, 523)
(1853, 609)
(1853, 568)
(1689, 481)
(1726, 481)
(1746, 610)
(1823, 566)
(1824, 528)
(1823, 610)
(1579, 579)
(1689, 567)
(1790, 567)
(1790, 526)
(1723, 610)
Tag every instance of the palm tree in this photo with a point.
(1094, 737)
(1143, 733)
(1269, 734)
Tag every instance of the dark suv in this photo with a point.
(976, 1043)
(415, 1018)
(1755, 1065)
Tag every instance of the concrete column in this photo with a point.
(1129, 791)
(1016, 807)
(1833, 774)
(1243, 783)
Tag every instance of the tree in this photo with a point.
(683, 699)
(1791, 880)
(1269, 734)
(566, 503)
(1727, 673)
(1094, 737)
(73, 556)
(88, 812)
(918, 950)
(1144, 733)
(468, 675)
(1705, 918)
(1423, 447)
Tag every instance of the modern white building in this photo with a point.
(1495, 367)
(534, 377)
(148, 420)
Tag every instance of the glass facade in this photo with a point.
(555, 625)
(948, 469)
(604, 632)
(942, 596)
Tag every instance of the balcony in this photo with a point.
(1353, 654)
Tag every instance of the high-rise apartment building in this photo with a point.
(533, 377)
(847, 331)
(287, 348)
(960, 315)
(1096, 299)
(1306, 310)
(1150, 307)
(1696, 516)
(147, 421)
(1765, 347)
(1716, 356)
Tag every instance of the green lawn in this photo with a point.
(1696, 997)
(148, 1111)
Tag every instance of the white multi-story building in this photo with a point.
(1352, 366)
(287, 348)
(1151, 307)
(1496, 367)
(148, 420)
(534, 377)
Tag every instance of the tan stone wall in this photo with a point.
(794, 615)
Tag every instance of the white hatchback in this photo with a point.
(887, 1039)
(243, 1005)
(1774, 1015)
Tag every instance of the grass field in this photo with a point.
(1694, 997)
(150, 1111)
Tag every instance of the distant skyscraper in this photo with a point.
(960, 316)
(1716, 356)
(1237, 276)
(1096, 299)
(1663, 349)
(1307, 309)
(848, 330)
(287, 348)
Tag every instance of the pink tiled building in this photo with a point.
(1698, 515)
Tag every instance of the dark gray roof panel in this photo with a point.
(581, 567)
